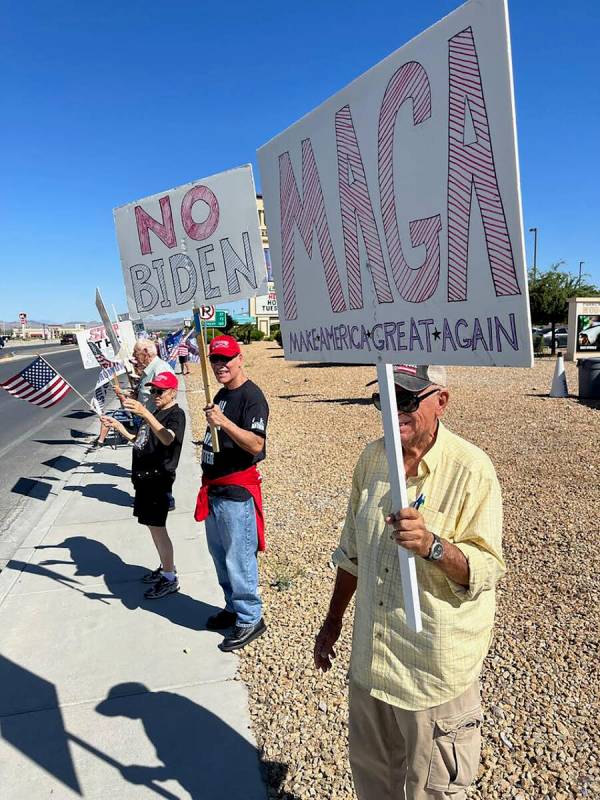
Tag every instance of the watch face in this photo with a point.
(437, 551)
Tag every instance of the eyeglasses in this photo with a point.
(156, 391)
(407, 402)
(221, 359)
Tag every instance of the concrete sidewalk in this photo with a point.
(104, 694)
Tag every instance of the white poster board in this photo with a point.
(394, 208)
(124, 331)
(266, 304)
(196, 244)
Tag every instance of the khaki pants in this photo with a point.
(414, 755)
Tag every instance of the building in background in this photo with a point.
(264, 307)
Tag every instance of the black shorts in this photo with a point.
(151, 502)
(183, 359)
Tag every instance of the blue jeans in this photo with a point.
(232, 542)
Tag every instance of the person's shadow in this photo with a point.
(104, 492)
(94, 559)
(206, 756)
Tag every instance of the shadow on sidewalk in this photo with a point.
(94, 559)
(31, 487)
(195, 747)
(44, 743)
(105, 468)
(104, 492)
(208, 758)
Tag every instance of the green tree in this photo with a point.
(230, 322)
(549, 294)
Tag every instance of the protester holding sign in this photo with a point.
(146, 356)
(230, 499)
(415, 713)
(156, 451)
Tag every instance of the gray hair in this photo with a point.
(148, 345)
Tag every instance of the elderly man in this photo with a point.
(146, 355)
(156, 451)
(415, 712)
(230, 499)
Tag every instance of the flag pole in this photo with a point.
(114, 763)
(70, 385)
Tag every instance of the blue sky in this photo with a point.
(105, 103)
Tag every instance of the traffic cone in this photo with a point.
(559, 381)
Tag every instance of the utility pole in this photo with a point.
(581, 263)
(534, 231)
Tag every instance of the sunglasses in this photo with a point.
(221, 359)
(154, 390)
(407, 402)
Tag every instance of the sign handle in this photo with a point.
(204, 365)
(393, 450)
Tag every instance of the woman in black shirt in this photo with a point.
(156, 451)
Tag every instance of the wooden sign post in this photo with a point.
(204, 366)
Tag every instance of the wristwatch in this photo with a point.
(437, 549)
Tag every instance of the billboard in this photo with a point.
(588, 331)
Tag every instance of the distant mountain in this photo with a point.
(165, 323)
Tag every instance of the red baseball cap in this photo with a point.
(165, 380)
(224, 346)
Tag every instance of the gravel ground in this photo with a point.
(541, 679)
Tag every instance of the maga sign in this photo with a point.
(200, 242)
(394, 209)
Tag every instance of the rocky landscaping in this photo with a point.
(541, 679)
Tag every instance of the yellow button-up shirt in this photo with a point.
(463, 505)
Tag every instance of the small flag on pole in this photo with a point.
(38, 383)
(103, 360)
(99, 398)
(194, 353)
(172, 343)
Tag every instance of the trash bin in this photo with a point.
(589, 378)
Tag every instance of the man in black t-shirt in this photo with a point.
(230, 499)
(156, 451)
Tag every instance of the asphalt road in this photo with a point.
(40, 447)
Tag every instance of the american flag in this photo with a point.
(194, 353)
(99, 355)
(38, 383)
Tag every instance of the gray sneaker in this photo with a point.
(163, 587)
(152, 577)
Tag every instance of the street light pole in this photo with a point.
(534, 231)
(581, 263)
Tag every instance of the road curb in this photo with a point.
(40, 530)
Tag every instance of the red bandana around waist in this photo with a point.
(250, 479)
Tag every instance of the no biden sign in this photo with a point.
(194, 244)
(394, 208)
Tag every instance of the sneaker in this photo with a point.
(161, 588)
(242, 635)
(153, 577)
(219, 622)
